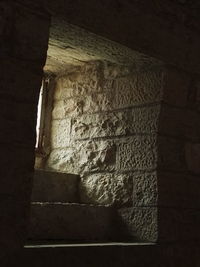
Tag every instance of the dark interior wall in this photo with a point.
(167, 30)
(23, 54)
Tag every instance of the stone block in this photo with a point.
(145, 189)
(137, 153)
(51, 186)
(79, 81)
(68, 107)
(84, 157)
(71, 222)
(96, 156)
(76, 106)
(137, 120)
(63, 160)
(60, 133)
(97, 102)
(106, 189)
(139, 88)
(139, 223)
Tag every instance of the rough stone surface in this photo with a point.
(140, 88)
(60, 133)
(55, 187)
(140, 223)
(137, 153)
(145, 189)
(174, 26)
(138, 120)
(72, 222)
(84, 157)
(107, 189)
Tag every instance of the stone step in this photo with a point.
(73, 222)
(49, 186)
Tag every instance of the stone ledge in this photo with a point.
(55, 186)
(70, 222)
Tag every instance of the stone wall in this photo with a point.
(104, 127)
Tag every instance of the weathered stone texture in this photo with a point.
(105, 121)
(107, 189)
(79, 81)
(141, 223)
(145, 189)
(60, 133)
(137, 120)
(137, 153)
(84, 157)
(140, 88)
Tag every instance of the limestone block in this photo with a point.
(60, 133)
(192, 157)
(140, 88)
(171, 154)
(76, 106)
(145, 189)
(63, 160)
(137, 120)
(106, 189)
(97, 102)
(49, 186)
(71, 222)
(139, 223)
(84, 157)
(79, 81)
(96, 156)
(137, 153)
(68, 107)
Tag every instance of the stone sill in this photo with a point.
(36, 245)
